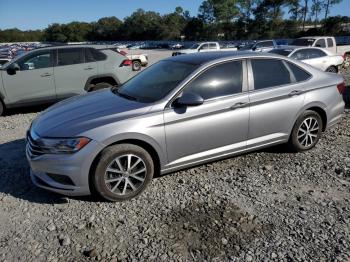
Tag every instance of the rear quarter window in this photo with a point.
(299, 74)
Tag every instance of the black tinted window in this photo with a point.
(38, 60)
(299, 74)
(269, 73)
(320, 43)
(266, 44)
(220, 80)
(212, 46)
(69, 56)
(330, 42)
(284, 52)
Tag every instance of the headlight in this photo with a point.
(63, 145)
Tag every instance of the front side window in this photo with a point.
(38, 60)
(156, 81)
(70, 56)
(219, 80)
(269, 73)
(320, 43)
(204, 47)
(266, 44)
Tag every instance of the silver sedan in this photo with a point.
(180, 112)
(317, 57)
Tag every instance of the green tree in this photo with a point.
(328, 4)
(107, 29)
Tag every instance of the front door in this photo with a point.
(34, 81)
(218, 126)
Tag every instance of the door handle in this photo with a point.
(45, 75)
(295, 93)
(239, 105)
(88, 68)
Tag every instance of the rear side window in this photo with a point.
(315, 53)
(300, 54)
(212, 46)
(269, 73)
(320, 43)
(299, 74)
(69, 56)
(93, 55)
(219, 80)
(330, 42)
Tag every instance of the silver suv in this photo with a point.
(180, 112)
(50, 74)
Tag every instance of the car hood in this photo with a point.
(78, 114)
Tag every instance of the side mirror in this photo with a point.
(12, 69)
(188, 99)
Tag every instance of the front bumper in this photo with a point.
(75, 167)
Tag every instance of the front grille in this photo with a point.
(33, 147)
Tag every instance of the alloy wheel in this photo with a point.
(125, 174)
(308, 132)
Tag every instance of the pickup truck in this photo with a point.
(259, 46)
(203, 47)
(325, 42)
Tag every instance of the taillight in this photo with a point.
(341, 88)
(126, 62)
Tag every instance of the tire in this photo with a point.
(136, 65)
(115, 182)
(100, 86)
(298, 141)
(332, 69)
(2, 108)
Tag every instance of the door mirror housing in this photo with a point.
(188, 99)
(12, 69)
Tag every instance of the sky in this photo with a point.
(38, 14)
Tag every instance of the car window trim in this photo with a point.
(202, 70)
(251, 76)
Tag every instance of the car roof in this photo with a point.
(76, 46)
(206, 57)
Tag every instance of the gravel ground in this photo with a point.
(267, 205)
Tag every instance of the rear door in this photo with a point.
(276, 96)
(72, 70)
(34, 82)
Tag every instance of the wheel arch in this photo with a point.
(109, 78)
(147, 145)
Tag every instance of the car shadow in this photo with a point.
(14, 176)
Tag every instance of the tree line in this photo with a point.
(216, 19)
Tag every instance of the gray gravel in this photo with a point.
(267, 205)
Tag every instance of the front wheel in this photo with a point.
(123, 172)
(306, 132)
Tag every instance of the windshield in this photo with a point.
(303, 42)
(283, 52)
(195, 46)
(156, 82)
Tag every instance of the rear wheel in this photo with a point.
(136, 65)
(123, 172)
(100, 86)
(306, 132)
(332, 69)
